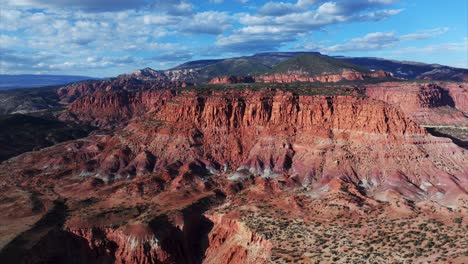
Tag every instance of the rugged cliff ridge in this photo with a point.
(231, 241)
(153, 187)
(348, 75)
(232, 79)
(308, 140)
(428, 104)
(298, 76)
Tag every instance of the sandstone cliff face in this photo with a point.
(106, 107)
(459, 94)
(232, 242)
(70, 93)
(269, 134)
(150, 190)
(119, 246)
(430, 104)
(246, 109)
(232, 79)
(444, 74)
(301, 77)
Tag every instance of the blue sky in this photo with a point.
(108, 37)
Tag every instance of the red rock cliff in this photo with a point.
(302, 77)
(435, 104)
(271, 133)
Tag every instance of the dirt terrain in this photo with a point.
(245, 173)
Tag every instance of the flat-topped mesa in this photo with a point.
(298, 76)
(283, 110)
(348, 75)
(232, 110)
(298, 139)
(266, 133)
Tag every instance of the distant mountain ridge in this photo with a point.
(315, 64)
(13, 81)
(409, 69)
(202, 71)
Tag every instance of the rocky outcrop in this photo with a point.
(136, 244)
(232, 242)
(436, 104)
(232, 79)
(445, 73)
(152, 188)
(177, 76)
(112, 107)
(303, 140)
(70, 93)
(292, 77)
(303, 77)
(459, 94)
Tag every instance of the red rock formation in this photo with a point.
(267, 134)
(444, 74)
(459, 94)
(137, 193)
(70, 93)
(232, 79)
(232, 242)
(112, 107)
(435, 104)
(136, 244)
(303, 77)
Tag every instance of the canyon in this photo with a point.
(348, 167)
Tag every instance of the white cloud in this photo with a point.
(371, 41)
(75, 38)
(209, 22)
(430, 33)
(88, 5)
(291, 21)
(382, 40)
(443, 47)
(67, 34)
(277, 8)
(306, 3)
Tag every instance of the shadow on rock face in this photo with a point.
(187, 245)
(45, 242)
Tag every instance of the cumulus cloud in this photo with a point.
(173, 7)
(255, 38)
(88, 5)
(277, 9)
(172, 56)
(66, 35)
(371, 41)
(209, 22)
(13, 60)
(443, 47)
(277, 23)
(72, 35)
(430, 33)
(380, 40)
